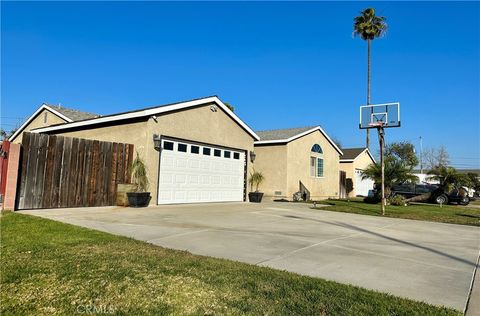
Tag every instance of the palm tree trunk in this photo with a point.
(368, 87)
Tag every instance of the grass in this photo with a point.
(476, 202)
(49, 268)
(426, 212)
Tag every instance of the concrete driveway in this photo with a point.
(424, 261)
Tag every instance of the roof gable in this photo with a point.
(350, 154)
(72, 114)
(158, 110)
(68, 115)
(284, 136)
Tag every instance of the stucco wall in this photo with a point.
(197, 124)
(361, 162)
(38, 122)
(272, 162)
(298, 168)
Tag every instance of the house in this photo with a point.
(353, 161)
(194, 151)
(47, 115)
(294, 160)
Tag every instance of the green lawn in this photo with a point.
(453, 214)
(49, 268)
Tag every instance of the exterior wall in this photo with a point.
(37, 122)
(197, 124)
(272, 162)
(298, 168)
(349, 169)
(361, 162)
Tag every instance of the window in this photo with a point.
(236, 155)
(194, 149)
(317, 149)
(168, 145)
(319, 167)
(226, 154)
(316, 167)
(206, 151)
(316, 161)
(312, 167)
(217, 153)
(182, 148)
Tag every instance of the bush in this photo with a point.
(373, 199)
(397, 200)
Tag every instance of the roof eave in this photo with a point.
(150, 112)
(287, 140)
(44, 106)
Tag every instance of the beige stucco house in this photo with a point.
(204, 152)
(47, 115)
(353, 161)
(298, 159)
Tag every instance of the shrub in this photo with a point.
(397, 200)
(375, 199)
(348, 185)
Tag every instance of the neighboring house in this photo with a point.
(47, 115)
(204, 148)
(298, 159)
(353, 161)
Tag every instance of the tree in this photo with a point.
(400, 159)
(396, 171)
(435, 158)
(229, 106)
(404, 151)
(369, 27)
(6, 134)
(474, 180)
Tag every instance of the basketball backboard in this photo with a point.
(380, 115)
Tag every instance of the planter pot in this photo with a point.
(138, 199)
(255, 197)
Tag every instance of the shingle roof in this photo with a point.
(72, 114)
(280, 134)
(351, 153)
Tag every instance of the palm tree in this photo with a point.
(396, 171)
(369, 27)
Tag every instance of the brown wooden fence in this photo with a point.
(59, 171)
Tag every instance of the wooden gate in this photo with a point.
(59, 171)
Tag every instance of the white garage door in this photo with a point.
(193, 173)
(362, 187)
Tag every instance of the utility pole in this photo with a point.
(421, 155)
(381, 138)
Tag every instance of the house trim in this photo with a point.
(44, 106)
(352, 160)
(150, 112)
(287, 140)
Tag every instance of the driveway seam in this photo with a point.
(314, 245)
(394, 257)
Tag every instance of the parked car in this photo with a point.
(438, 196)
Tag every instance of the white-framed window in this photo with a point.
(316, 161)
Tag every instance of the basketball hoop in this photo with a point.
(376, 124)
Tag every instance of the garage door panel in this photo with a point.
(196, 176)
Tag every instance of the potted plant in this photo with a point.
(140, 197)
(256, 178)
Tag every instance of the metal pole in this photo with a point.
(381, 134)
(421, 155)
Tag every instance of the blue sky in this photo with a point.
(281, 64)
